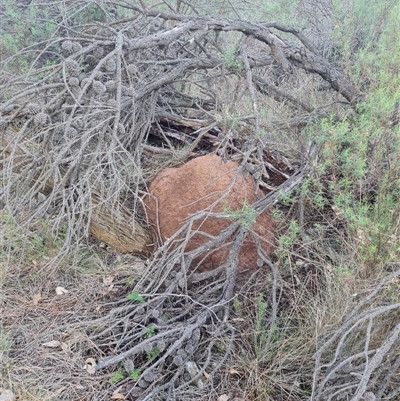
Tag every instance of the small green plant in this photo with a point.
(153, 353)
(231, 60)
(130, 281)
(277, 214)
(220, 347)
(260, 326)
(134, 374)
(150, 331)
(286, 199)
(345, 271)
(246, 216)
(135, 296)
(117, 377)
(36, 248)
(286, 241)
(237, 305)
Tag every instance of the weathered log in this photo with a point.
(116, 226)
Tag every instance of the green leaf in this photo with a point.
(117, 376)
(135, 296)
(134, 374)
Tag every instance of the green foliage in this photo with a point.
(220, 347)
(130, 281)
(135, 296)
(23, 246)
(23, 26)
(282, 10)
(135, 374)
(260, 329)
(246, 216)
(89, 14)
(150, 331)
(359, 153)
(153, 353)
(286, 241)
(117, 377)
(286, 199)
(231, 60)
(237, 305)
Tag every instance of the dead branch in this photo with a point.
(364, 373)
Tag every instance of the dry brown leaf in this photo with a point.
(61, 291)
(90, 366)
(108, 279)
(223, 397)
(117, 396)
(52, 344)
(234, 372)
(64, 346)
(36, 298)
(206, 375)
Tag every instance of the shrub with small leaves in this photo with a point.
(150, 331)
(117, 377)
(134, 374)
(153, 353)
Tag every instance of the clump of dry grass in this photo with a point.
(45, 342)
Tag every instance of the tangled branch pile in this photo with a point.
(77, 126)
(102, 109)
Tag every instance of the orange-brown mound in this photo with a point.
(206, 183)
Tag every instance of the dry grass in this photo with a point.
(33, 314)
